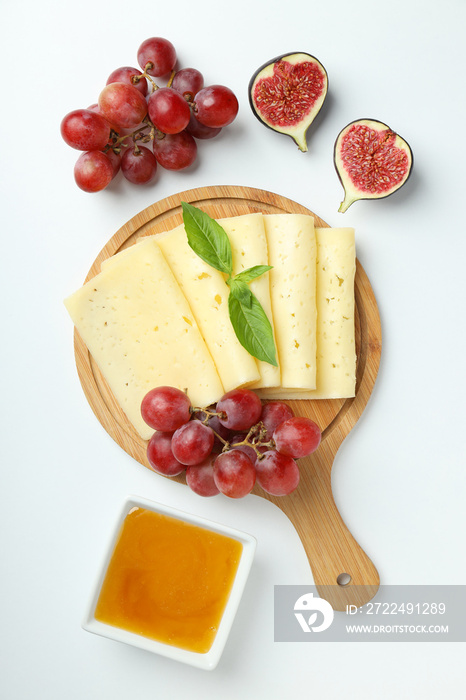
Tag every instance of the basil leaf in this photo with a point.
(252, 273)
(241, 291)
(252, 327)
(207, 238)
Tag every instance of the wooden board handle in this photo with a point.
(343, 573)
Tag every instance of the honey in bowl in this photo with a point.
(168, 580)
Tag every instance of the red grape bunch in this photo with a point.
(229, 447)
(136, 130)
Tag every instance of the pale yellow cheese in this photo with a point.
(141, 332)
(336, 356)
(292, 253)
(249, 248)
(207, 292)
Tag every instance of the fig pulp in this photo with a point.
(287, 93)
(371, 160)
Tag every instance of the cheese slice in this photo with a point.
(249, 248)
(292, 253)
(336, 355)
(207, 294)
(141, 332)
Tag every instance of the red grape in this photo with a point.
(200, 478)
(85, 130)
(274, 413)
(278, 474)
(297, 437)
(138, 166)
(93, 171)
(115, 160)
(240, 409)
(192, 442)
(165, 408)
(200, 131)
(216, 106)
(175, 151)
(188, 81)
(160, 53)
(160, 455)
(168, 110)
(123, 105)
(234, 474)
(124, 75)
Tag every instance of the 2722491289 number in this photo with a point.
(405, 608)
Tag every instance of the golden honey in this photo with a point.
(168, 580)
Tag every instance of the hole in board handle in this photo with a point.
(343, 579)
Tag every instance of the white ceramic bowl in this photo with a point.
(209, 659)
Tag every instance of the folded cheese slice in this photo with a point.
(207, 293)
(141, 332)
(292, 254)
(336, 355)
(249, 248)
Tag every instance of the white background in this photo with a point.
(399, 478)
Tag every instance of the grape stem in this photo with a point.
(117, 141)
(146, 75)
(255, 437)
(208, 413)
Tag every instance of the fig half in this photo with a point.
(372, 161)
(287, 93)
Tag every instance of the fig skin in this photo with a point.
(353, 193)
(297, 134)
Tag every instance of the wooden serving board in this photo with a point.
(333, 553)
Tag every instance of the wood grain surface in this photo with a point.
(342, 571)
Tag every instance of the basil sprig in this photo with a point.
(210, 242)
